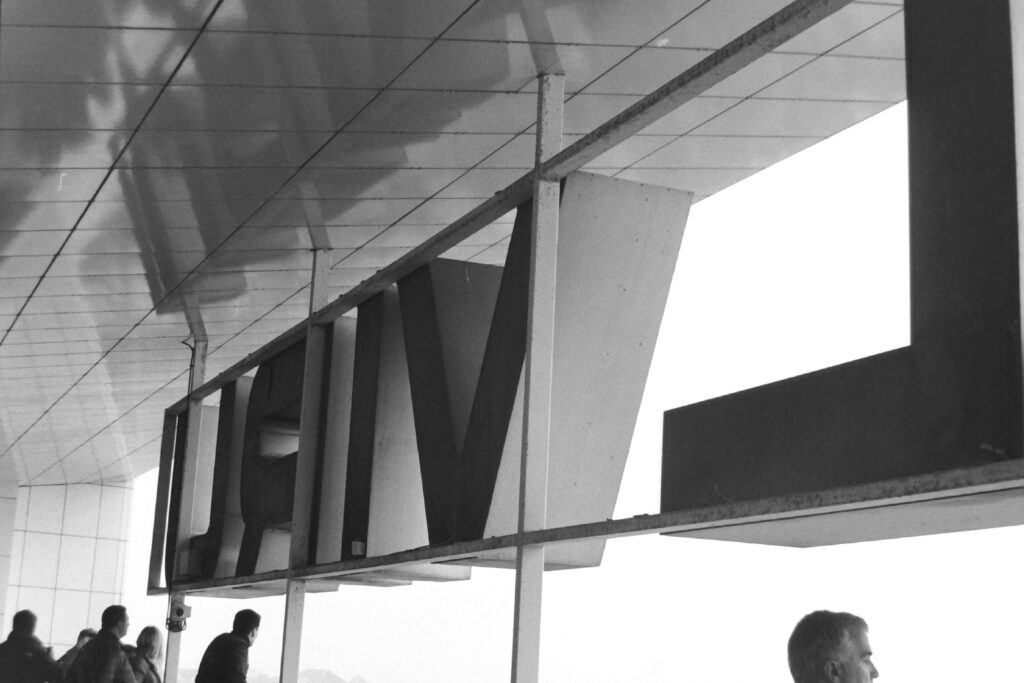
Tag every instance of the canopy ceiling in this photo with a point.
(162, 159)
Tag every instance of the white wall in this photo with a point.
(67, 555)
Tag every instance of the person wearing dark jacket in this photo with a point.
(102, 659)
(84, 636)
(226, 659)
(23, 659)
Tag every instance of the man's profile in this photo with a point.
(102, 659)
(831, 647)
(226, 659)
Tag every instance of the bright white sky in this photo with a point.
(803, 266)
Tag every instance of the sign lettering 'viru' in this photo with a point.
(423, 402)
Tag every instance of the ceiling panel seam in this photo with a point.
(753, 96)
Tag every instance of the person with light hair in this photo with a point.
(831, 647)
(148, 648)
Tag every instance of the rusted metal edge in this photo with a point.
(713, 69)
(961, 483)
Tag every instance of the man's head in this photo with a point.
(24, 622)
(85, 635)
(115, 618)
(831, 647)
(246, 625)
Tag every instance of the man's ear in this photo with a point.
(833, 671)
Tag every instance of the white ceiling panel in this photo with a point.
(117, 241)
(645, 70)
(408, 150)
(256, 109)
(30, 215)
(91, 303)
(767, 118)
(331, 183)
(98, 264)
(606, 22)
(23, 266)
(69, 372)
(380, 18)
(716, 22)
(53, 185)
(505, 67)
(628, 152)
(352, 236)
(292, 212)
(17, 288)
(162, 214)
(584, 112)
(698, 181)
(443, 211)
(221, 148)
(691, 115)
(759, 75)
(345, 277)
(458, 112)
(57, 360)
(71, 334)
(883, 41)
(59, 149)
(63, 348)
(77, 109)
(844, 25)
(725, 152)
(89, 55)
(292, 60)
(188, 184)
(73, 320)
(493, 255)
(184, 14)
(517, 154)
(404, 235)
(480, 184)
(373, 257)
(11, 306)
(844, 78)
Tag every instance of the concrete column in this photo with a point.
(537, 408)
(307, 468)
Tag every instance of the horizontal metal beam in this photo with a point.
(953, 484)
(715, 68)
(742, 51)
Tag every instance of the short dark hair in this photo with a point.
(24, 622)
(113, 615)
(818, 638)
(245, 621)
(87, 633)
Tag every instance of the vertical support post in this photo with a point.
(306, 467)
(294, 607)
(1017, 61)
(197, 374)
(533, 483)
